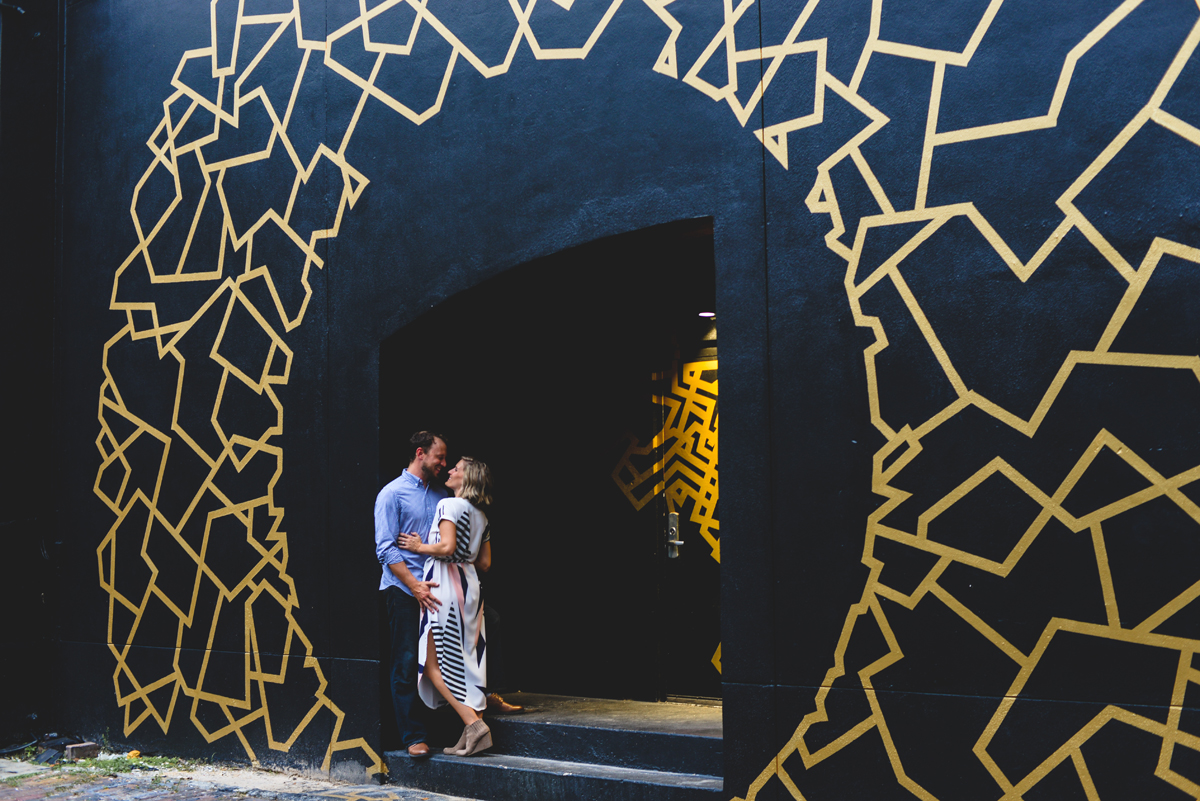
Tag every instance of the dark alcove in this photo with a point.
(545, 372)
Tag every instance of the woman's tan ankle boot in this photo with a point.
(479, 738)
(459, 746)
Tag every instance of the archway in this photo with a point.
(547, 372)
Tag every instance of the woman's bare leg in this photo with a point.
(434, 674)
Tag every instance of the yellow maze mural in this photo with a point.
(259, 301)
(683, 454)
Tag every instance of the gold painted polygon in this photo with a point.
(682, 454)
(903, 441)
(207, 103)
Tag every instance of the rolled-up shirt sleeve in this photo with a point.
(387, 528)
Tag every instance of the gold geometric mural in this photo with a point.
(217, 285)
(682, 455)
(821, 735)
(210, 293)
(207, 271)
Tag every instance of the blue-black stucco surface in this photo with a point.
(958, 368)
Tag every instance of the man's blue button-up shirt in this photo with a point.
(404, 505)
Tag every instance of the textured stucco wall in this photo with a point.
(955, 283)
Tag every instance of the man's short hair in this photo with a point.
(423, 440)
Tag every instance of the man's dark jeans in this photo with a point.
(404, 621)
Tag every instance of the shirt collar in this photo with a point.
(412, 479)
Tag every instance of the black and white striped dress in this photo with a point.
(457, 626)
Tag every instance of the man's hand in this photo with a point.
(425, 598)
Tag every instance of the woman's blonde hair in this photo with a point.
(477, 482)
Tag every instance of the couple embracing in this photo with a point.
(432, 541)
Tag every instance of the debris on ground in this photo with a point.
(125, 777)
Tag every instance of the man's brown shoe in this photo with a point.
(419, 751)
(498, 706)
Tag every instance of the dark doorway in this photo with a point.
(549, 372)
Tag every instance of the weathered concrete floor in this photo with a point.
(20, 781)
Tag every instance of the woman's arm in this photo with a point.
(484, 562)
(411, 542)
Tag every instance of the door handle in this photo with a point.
(673, 541)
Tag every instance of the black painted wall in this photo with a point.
(29, 59)
(955, 272)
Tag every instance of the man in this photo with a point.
(407, 505)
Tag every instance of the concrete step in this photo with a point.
(500, 777)
(591, 749)
(676, 738)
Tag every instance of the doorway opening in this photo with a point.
(587, 381)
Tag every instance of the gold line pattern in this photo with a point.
(682, 455)
(230, 315)
(256, 288)
(904, 442)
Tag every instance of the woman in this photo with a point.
(452, 661)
